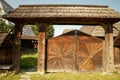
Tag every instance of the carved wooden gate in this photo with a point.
(89, 53)
(60, 54)
(79, 52)
(89, 56)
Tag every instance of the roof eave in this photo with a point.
(61, 20)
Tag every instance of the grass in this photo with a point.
(65, 76)
(29, 60)
(76, 76)
(9, 76)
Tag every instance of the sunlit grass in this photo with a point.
(28, 60)
(64, 76)
(76, 76)
(9, 76)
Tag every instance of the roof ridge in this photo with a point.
(63, 5)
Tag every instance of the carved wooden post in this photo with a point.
(17, 47)
(108, 54)
(41, 48)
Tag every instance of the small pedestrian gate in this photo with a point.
(74, 51)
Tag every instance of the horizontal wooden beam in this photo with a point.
(70, 21)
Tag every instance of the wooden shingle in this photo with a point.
(98, 31)
(63, 11)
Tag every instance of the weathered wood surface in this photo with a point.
(109, 61)
(41, 48)
(60, 54)
(116, 56)
(6, 50)
(74, 53)
(17, 48)
(89, 54)
(6, 56)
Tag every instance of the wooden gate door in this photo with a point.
(60, 53)
(89, 56)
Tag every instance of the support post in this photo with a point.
(17, 47)
(108, 53)
(41, 48)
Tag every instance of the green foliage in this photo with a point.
(49, 31)
(3, 26)
(34, 29)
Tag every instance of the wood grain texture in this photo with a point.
(41, 48)
(17, 47)
(89, 56)
(60, 55)
(70, 52)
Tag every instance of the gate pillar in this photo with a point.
(41, 48)
(17, 47)
(108, 54)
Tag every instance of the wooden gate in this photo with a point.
(89, 54)
(79, 52)
(60, 54)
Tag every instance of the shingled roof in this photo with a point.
(27, 33)
(62, 11)
(5, 6)
(98, 31)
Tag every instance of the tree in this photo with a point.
(49, 31)
(3, 26)
(34, 29)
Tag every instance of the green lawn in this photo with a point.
(9, 76)
(76, 76)
(30, 60)
(65, 76)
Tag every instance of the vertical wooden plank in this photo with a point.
(17, 47)
(41, 48)
(109, 61)
(104, 57)
(116, 55)
(75, 52)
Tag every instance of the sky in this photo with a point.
(113, 4)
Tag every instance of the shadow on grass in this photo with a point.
(29, 51)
